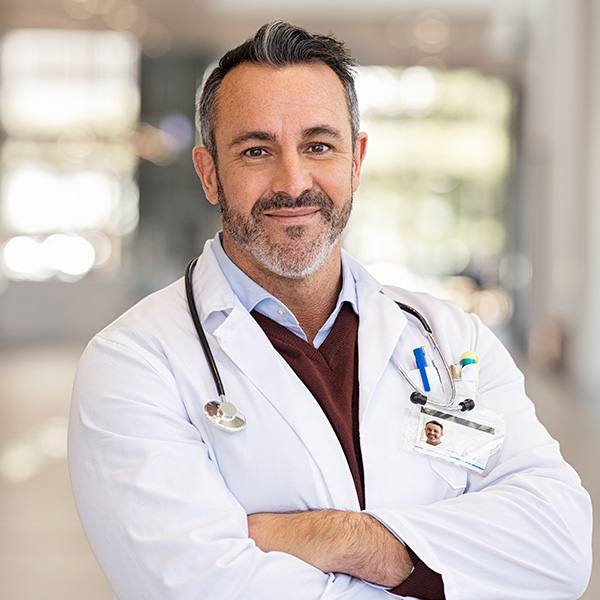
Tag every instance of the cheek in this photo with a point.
(242, 192)
(336, 183)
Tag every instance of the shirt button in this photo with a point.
(281, 311)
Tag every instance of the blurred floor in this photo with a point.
(43, 553)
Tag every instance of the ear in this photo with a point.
(207, 171)
(360, 149)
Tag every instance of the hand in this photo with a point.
(335, 541)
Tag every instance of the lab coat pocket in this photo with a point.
(453, 475)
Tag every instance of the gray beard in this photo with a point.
(290, 260)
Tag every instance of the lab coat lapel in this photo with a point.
(380, 327)
(244, 342)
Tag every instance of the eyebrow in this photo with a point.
(252, 135)
(326, 130)
(265, 136)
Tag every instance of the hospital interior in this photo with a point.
(481, 185)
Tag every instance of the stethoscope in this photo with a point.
(224, 415)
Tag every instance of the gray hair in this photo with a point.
(278, 44)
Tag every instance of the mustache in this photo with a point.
(311, 198)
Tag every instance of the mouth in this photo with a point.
(293, 216)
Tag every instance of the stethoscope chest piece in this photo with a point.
(225, 416)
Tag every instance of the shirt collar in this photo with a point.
(246, 289)
(253, 296)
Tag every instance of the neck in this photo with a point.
(312, 299)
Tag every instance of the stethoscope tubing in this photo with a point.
(417, 315)
(219, 419)
(189, 290)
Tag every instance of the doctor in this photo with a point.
(322, 495)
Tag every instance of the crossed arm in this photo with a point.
(335, 541)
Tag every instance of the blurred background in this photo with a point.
(479, 186)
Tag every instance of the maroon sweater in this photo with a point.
(330, 372)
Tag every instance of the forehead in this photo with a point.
(259, 97)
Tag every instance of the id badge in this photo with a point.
(467, 439)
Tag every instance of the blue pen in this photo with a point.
(421, 364)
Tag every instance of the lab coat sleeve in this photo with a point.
(157, 513)
(521, 530)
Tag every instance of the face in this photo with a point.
(433, 433)
(286, 167)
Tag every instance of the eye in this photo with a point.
(254, 152)
(318, 148)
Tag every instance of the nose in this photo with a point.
(292, 175)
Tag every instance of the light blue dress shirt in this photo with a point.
(254, 297)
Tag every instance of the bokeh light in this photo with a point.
(68, 191)
(430, 211)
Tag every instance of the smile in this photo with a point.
(293, 216)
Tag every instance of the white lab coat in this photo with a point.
(163, 495)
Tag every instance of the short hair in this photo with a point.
(278, 44)
(435, 423)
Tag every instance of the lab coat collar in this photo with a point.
(381, 322)
(212, 292)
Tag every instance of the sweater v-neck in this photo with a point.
(328, 352)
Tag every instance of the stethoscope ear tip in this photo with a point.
(418, 398)
(466, 405)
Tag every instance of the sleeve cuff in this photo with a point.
(422, 583)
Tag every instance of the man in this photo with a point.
(319, 496)
(433, 433)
